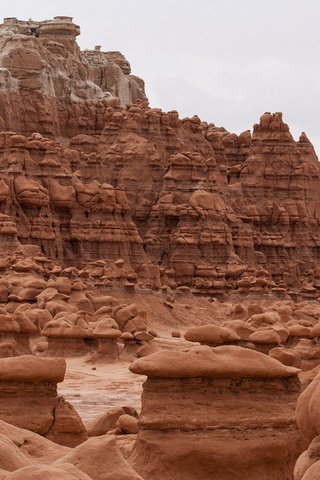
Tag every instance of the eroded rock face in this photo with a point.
(203, 407)
(29, 399)
(51, 206)
(307, 413)
(46, 80)
(183, 202)
(210, 223)
(27, 456)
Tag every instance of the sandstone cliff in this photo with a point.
(90, 171)
(49, 86)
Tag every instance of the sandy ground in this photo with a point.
(92, 392)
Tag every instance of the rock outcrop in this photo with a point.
(27, 456)
(29, 399)
(181, 202)
(308, 420)
(49, 86)
(203, 407)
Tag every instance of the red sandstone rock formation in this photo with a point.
(29, 399)
(27, 456)
(100, 191)
(107, 421)
(180, 202)
(46, 80)
(308, 419)
(203, 407)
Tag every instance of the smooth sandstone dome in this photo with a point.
(225, 361)
(27, 368)
(32, 446)
(100, 458)
(211, 334)
(11, 458)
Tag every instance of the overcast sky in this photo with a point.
(227, 61)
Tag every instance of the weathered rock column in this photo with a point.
(225, 413)
(29, 399)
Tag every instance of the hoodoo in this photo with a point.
(203, 407)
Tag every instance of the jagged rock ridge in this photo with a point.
(49, 86)
(183, 202)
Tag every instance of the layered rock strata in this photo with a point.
(180, 201)
(216, 413)
(29, 399)
(49, 86)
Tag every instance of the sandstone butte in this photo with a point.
(129, 234)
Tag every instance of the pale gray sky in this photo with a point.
(226, 60)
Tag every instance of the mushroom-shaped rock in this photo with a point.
(227, 360)
(126, 336)
(211, 335)
(46, 295)
(106, 332)
(8, 325)
(62, 196)
(25, 324)
(65, 338)
(27, 368)
(30, 192)
(199, 406)
(17, 328)
(28, 388)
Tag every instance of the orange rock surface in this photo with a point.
(126, 233)
(182, 202)
(203, 407)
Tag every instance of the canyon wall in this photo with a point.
(88, 171)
